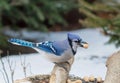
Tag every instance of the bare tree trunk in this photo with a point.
(113, 69)
(60, 72)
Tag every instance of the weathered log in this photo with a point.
(113, 69)
(61, 71)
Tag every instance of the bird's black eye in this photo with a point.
(76, 41)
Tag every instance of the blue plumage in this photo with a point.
(21, 42)
(45, 46)
(73, 36)
(57, 51)
(48, 46)
(61, 46)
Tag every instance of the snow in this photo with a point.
(87, 62)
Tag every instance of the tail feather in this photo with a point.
(21, 42)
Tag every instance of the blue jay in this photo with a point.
(55, 51)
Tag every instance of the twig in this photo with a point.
(4, 70)
(29, 65)
(23, 64)
(12, 68)
(110, 33)
(3, 76)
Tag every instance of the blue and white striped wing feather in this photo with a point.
(46, 46)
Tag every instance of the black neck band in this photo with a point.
(70, 43)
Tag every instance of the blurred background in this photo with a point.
(19, 16)
(96, 21)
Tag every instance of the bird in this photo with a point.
(55, 51)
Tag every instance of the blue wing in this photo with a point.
(46, 46)
(56, 47)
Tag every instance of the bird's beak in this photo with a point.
(84, 44)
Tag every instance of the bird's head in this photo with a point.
(75, 41)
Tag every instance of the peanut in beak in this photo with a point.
(85, 46)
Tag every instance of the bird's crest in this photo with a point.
(73, 36)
